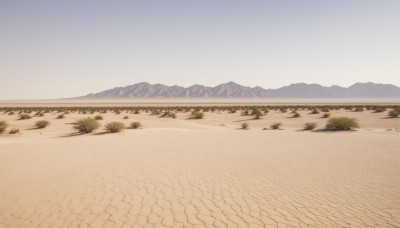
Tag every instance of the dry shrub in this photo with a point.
(13, 131)
(98, 117)
(42, 123)
(326, 115)
(245, 126)
(276, 125)
(24, 116)
(394, 113)
(114, 127)
(86, 125)
(135, 125)
(310, 126)
(296, 115)
(197, 115)
(342, 124)
(3, 126)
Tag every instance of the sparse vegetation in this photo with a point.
(61, 116)
(114, 127)
(197, 115)
(24, 116)
(394, 113)
(3, 126)
(135, 125)
(126, 117)
(13, 131)
(256, 113)
(342, 124)
(310, 126)
(326, 115)
(276, 125)
(314, 111)
(98, 117)
(42, 123)
(86, 125)
(245, 126)
(296, 115)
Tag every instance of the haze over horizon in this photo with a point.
(71, 48)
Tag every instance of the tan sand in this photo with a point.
(202, 173)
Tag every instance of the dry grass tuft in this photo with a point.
(3, 126)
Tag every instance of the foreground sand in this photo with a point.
(186, 173)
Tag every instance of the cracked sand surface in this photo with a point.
(202, 178)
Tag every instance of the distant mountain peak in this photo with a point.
(234, 90)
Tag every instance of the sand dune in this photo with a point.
(202, 173)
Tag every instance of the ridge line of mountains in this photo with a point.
(234, 90)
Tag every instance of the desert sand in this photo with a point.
(201, 173)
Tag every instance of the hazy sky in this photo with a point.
(53, 49)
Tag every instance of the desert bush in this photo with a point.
(379, 109)
(42, 123)
(24, 116)
(326, 115)
(168, 114)
(245, 126)
(314, 111)
(3, 126)
(197, 115)
(11, 113)
(13, 131)
(342, 124)
(310, 126)
(126, 117)
(135, 125)
(61, 116)
(276, 125)
(86, 125)
(296, 115)
(98, 117)
(358, 109)
(394, 113)
(256, 113)
(38, 114)
(114, 127)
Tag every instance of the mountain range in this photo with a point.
(234, 90)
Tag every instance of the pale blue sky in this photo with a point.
(53, 49)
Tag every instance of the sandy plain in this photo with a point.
(201, 173)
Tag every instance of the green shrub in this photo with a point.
(394, 113)
(310, 126)
(98, 117)
(24, 116)
(114, 127)
(42, 123)
(3, 126)
(86, 125)
(342, 124)
(245, 126)
(13, 131)
(197, 115)
(135, 125)
(276, 125)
